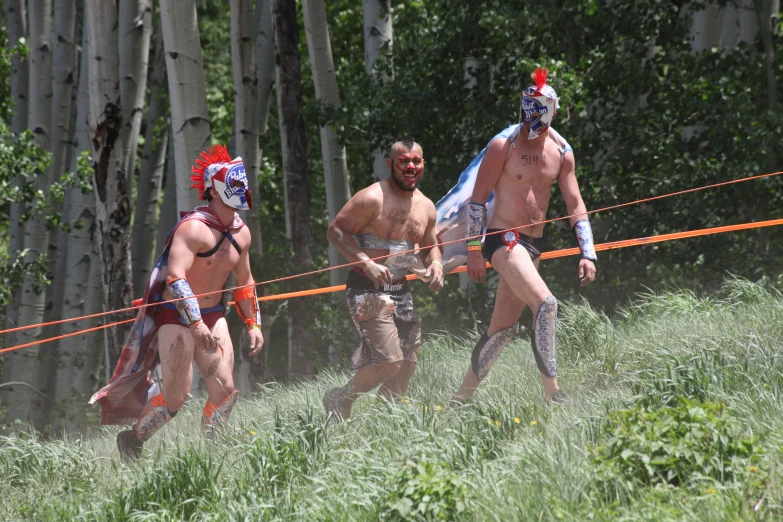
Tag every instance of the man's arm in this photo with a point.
(432, 261)
(188, 239)
(246, 299)
(487, 177)
(362, 208)
(575, 207)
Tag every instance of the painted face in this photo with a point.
(406, 169)
(230, 182)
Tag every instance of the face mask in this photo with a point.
(539, 103)
(215, 169)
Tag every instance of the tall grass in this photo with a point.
(512, 457)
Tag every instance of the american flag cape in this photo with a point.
(122, 400)
(452, 209)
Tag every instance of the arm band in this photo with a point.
(477, 214)
(584, 236)
(188, 308)
(249, 292)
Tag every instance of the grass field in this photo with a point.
(675, 415)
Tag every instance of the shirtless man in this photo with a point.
(387, 217)
(202, 250)
(521, 172)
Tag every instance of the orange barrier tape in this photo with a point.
(322, 270)
(546, 255)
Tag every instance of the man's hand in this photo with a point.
(203, 338)
(256, 340)
(434, 274)
(379, 274)
(586, 272)
(477, 268)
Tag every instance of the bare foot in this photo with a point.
(336, 403)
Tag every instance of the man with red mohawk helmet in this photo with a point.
(511, 184)
(204, 247)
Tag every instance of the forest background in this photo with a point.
(105, 106)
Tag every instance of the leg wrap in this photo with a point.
(488, 349)
(215, 416)
(153, 418)
(544, 336)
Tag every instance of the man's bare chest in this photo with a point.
(223, 254)
(531, 167)
(398, 222)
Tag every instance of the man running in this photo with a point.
(520, 167)
(387, 217)
(201, 251)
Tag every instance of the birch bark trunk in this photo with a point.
(16, 20)
(187, 92)
(168, 209)
(265, 61)
(135, 31)
(336, 182)
(77, 358)
(246, 121)
(25, 403)
(153, 161)
(112, 201)
(297, 188)
(377, 40)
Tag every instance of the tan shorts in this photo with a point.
(388, 326)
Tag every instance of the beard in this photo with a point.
(400, 182)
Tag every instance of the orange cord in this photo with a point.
(322, 270)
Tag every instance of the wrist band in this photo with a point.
(474, 242)
(436, 261)
(474, 248)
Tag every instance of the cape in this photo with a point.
(130, 387)
(452, 209)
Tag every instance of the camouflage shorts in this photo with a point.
(388, 326)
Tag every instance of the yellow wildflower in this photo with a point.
(752, 469)
(489, 421)
(497, 423)
(438, 408)
(238, 428)
(710, 490)
(534, 422)
(252, 432)
(426, 408)
(516, 420)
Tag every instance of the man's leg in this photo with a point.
(385, 359)
(217, 370)
(409, 333)
(396, 387)
(523, 278)
(175, 346)
(502, 327)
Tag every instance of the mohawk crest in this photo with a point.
(539, 77)
(217, 155)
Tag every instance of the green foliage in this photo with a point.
(680, 445)
(425, 490)
(14, 271)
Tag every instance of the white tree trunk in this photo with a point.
(707, 27)
(187, 92)
(377, 40)
(338, 191)
(112, 201)
(168, 208)
(16, 21)
(135, 30)
(246, 122)
(739, 24)
(153, 161)
(76, 356)
(23, 365)
(265, 60)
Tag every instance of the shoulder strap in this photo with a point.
(217, 246)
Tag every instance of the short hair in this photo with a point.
(407, 141)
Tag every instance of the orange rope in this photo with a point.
(322, 270)
(78, 332)
(546, 255)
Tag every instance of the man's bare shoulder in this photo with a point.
(370, 197)
(193, 228)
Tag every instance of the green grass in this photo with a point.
(677, 382)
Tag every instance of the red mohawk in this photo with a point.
(217, 154)
(539, 76)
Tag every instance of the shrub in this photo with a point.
(425, 490)
(678, 446)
